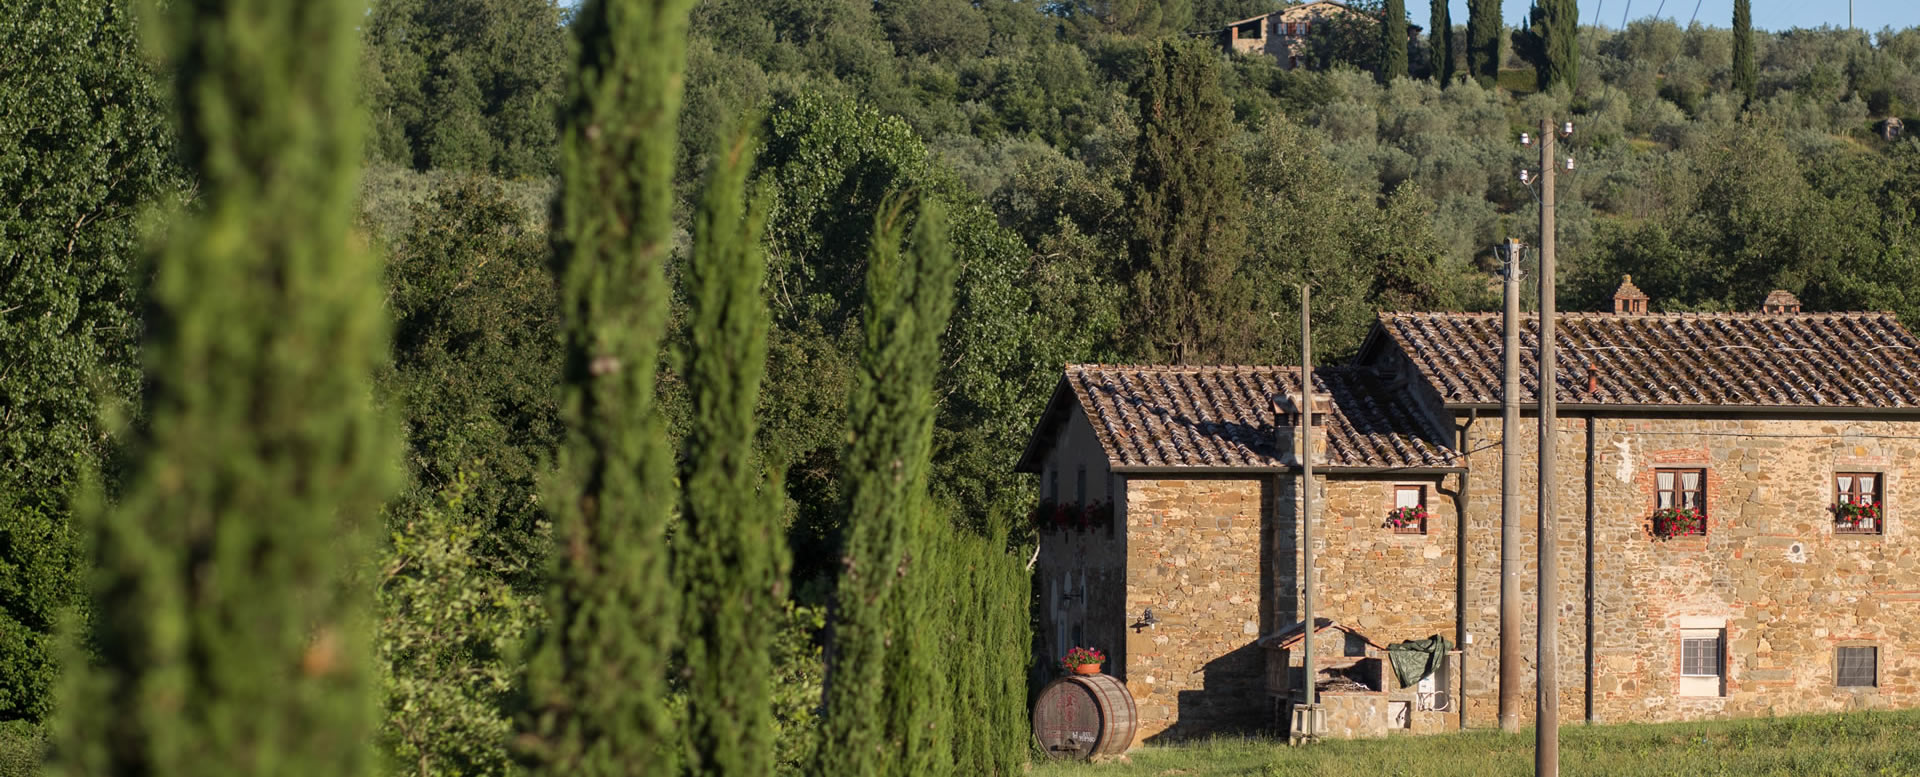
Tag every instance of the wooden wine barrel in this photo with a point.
(1083, 716)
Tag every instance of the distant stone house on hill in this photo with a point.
(1282, 34)
(1175, 489)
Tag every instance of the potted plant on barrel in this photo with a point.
(1082, 660)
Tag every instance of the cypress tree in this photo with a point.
(1393, 41)
(1552, 43)
(1189, 222)
(1440, 40)
(987, 609)
(883, 695)
(229, 639)
(1743, 74)
(1483, 41)
(597, 679)
(733, 557)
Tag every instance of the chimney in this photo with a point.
(1287, 426)
(1779, 302)
(1629, 299)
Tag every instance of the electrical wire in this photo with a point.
(1623, 16)
(1696, 12)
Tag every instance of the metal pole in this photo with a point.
(1546, 744)
(1306, 493)
(1510, 463)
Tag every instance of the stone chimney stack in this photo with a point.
(1287, 426)
(1779, 302)
(1629, 299)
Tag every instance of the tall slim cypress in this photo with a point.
(1393, 41)
(1483, 41)
(1553, 43)
(732, 559)
(231, 641)
(1743, 74)
(1440, 41)
(881, 691)
(596, 682)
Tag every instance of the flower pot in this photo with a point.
(1086, 668)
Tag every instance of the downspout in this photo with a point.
(1461, 508)
(1591, 420)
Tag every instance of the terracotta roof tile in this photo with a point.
(1162, 416)
(1832, 360)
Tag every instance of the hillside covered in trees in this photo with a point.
(1088, 181)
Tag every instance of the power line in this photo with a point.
(1696, 12)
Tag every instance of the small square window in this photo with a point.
(1409, 513)
(1680, 502)
(1856, 667)
(1702, 662)
(1857, 505)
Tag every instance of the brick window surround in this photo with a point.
(1858, 488)
(1410, 496)
(1681, 487)
(1856, 666)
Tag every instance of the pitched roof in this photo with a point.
(1153, 417)
(1292, 633)
(1736, 360)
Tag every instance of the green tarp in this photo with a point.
(1414, 659)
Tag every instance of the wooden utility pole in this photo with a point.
(1510, 463)
(1546, 744)
(1312, 717)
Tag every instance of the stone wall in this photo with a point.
(1080, 575)
(1195, 550)
(1771, 574)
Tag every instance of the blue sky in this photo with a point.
(1870, 15)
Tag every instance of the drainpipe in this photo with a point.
(1306, 501)
(1591, 420)
(1510, 464)
(1463, 504)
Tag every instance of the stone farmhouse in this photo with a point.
(1282, 34)
(1170, 521)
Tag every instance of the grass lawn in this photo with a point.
(1850, 745)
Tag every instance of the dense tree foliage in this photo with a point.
(451, 636)
(474, 364)
(464, 84)
(230, 640)
(87, 147)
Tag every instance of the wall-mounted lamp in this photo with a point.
(1146, 621)
(1525, 139)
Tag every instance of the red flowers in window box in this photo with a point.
(1671, 522)
(1083, 657)
(1060, 516)
(1857, 516)
(1406, 518)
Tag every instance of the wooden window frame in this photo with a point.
(1873, 667)
(1853, 491)
(1421, 495)
(1677, 494)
